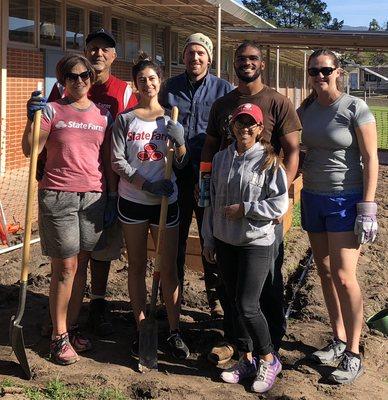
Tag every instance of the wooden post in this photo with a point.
(218, 61)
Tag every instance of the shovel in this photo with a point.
(148, 330)
(16, 329)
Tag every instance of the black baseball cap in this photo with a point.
(103, 34)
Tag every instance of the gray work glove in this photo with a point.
(35, 102)
(164, 187)
(176, 133)
(365, 227)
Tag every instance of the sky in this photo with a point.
(358, 12)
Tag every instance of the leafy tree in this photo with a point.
(374, 25)
(309, 14)
(335, 25)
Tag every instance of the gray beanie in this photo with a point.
(202, 40)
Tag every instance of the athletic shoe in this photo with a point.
(79, 342)
(61, 351)
(349, 369)
(134, 349)
(98, 321)
(330, 353)
(243, 369)
(266, 375)
(177, 346)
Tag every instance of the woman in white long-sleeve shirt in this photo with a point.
(248, 192)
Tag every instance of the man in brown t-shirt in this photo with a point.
(281, 127)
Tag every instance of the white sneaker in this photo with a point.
(266, 375)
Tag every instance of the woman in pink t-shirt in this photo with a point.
(71, 200)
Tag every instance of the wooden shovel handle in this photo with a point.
(164, 205)
(30, 196)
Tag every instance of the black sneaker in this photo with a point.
(177, 346)
(134, 349)
(98, 321)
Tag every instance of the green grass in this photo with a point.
(381, 115)
(296, 218)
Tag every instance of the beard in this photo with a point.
(247, 79)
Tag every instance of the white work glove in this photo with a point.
(365, 227)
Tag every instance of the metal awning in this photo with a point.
(312, 39)
(370, 71)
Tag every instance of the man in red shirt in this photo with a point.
(116, 96)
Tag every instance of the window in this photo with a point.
(75, 28)
(95, 21)
(117, 32)
(174, 47)
(50, 23)
(146, 39)
(21, 21)
(132, 40)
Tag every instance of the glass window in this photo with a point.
(146, 39)
(132, 40)
(21, 21)
(117, 32)
(95, 21)
(50, 23)
(75, 28)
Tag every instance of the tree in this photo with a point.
(374, 25)
(335, 25)
(309, 14)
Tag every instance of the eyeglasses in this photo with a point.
(240, 126)
(74, 77)
(325, 71)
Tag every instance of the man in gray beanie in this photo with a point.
(194, 92)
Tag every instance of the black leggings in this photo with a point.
(244, 270)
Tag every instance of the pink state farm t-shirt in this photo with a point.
(74, 147)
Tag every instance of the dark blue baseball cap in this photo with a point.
(103, 34)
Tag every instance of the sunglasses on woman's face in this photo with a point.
(241, 125)
(74, 77)
(325, 71)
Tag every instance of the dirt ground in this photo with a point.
(109, 365)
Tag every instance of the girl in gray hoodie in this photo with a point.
(248, 194)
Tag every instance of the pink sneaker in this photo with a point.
(266, 375)
(243, 369)
(61, 351)
(80, 342)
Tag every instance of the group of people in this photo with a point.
(101, 177)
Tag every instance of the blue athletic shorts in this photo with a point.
(329, 213)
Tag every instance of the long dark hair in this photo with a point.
(313, 95)
(143, 62)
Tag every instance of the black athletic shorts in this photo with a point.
(136, 213)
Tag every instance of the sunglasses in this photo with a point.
(240, 126)
(325, 71)
(74, 77)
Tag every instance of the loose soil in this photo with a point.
(109, 365)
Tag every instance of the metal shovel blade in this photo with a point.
(148, 344)
(17, 342)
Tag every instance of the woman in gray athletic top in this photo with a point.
(338, 209)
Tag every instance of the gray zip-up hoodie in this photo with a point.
(237, 179)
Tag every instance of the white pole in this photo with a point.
(218, 63)
(277, 69)
(305, 74)
(17, 246)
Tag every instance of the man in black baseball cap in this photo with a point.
(103, 34)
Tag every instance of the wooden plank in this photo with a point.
(295, 189)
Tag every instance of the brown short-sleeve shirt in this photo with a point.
(280, 117)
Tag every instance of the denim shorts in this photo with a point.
(69, 221)
(329, 212)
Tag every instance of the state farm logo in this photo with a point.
(150, 153)
(79, 125)
(61, 125)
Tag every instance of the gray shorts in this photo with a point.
(110, 244)
(69, 222)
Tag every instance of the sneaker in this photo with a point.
(266, 375)
(243, 369)
(177, 346)
(349, 369)
(61, 351)
(330, 353)
(98, 320)
(221, 353)
(134, 348)
(80, 342)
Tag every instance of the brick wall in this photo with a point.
(24, 70)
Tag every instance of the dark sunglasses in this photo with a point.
(74, 77)
(325, 71)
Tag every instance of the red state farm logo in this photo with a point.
(149, 153)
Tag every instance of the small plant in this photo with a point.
(6, 382)
(296, 215)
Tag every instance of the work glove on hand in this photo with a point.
(176, 133)
(365, 227)
(164, 187)
(110, 213)
(35, 102)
